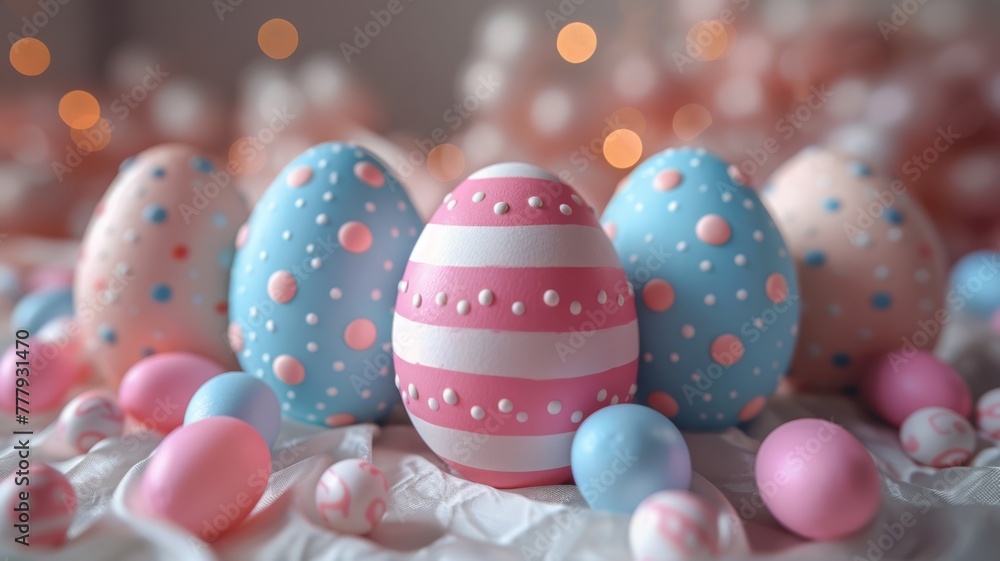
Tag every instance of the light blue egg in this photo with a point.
(975, 282)
(715, 334)
(238, 395)
(314, 283)
(39, 307)
(624, 453)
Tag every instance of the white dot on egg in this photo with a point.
(522, 417)
(310, 248)
(758, 235)
(614, 400)
(602, 395)
(673, 206)
(328, 196)
(312, 319)
(727, 196)
(602, 297)
(705, 266)
(450, 397)
(740, 260)
(332, 391)
(417, 300)
(485, 297)
(575, 308)
(370, 206)
(269, 325)
(576, 417)
(621, 300)
(336, 293)
(402, 286)
(576, 199)
(551, 297)
(478, 197)
(565, 209)
(639, 207)
(709, 299)
(517, 308)
(741, 294)
(433, 404)
(412, 390)
(748, 204)
(299, 203)
(316, 263)
(535, 202)
(505, 405)
(322, 219)
(682, 246)
(441, 298)
(687, 331)
(290, 394)
(554, 407)
(463, 307)
(312, 347)
(452, 203)
(695, 162)
(262, 255)
(501, 208)
(286, 235)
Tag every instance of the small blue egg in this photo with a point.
(38, 308)
(238, 395)
(975, 284)
(623, 453)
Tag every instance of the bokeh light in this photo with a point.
(711, 39)
(29, 56)
(247, 156)
(691, 120)
(576, 42)
(79, 109)
(622, 148)
(278, 38)
(94, 138)
(446, 162)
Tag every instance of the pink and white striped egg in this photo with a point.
(988, 414)
(673, 525)
(88, 419)
(351, 496)
(938, 437)
(513, 323)
(49, 508)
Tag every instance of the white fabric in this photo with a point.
(434, 515)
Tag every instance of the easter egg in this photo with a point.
(88, 419)
(625, 453)
(313, 282)
(988, 414)
(870, 262)
(898, 385)
(156, 390)
(206, 477)
(50, 507)
(153, 271)
(514, 321)
(674, 526)
(938, 437)
(817, 479)
(38, 308)
(44, 381)
(975, 283)
(717, 295)
(351, 496)
(239, 395)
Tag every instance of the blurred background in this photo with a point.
(585, 88)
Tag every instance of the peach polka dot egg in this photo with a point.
(153, 268)
(870, 263)
(312, 287)
(514, 322)
(716, 288)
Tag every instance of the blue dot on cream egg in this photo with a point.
(154, 213)
(160, 292)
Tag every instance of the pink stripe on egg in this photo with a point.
(512, 480)
(559, 299)
(513, 201)
(509, 406)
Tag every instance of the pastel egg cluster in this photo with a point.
(153, 269)
(311, 294)
(514, 320)
(870, 264)
(718, 298)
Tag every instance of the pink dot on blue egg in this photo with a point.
(106, 333)
(815, 258)
(160, 292)
(881, 301)
(201, 164)
(831, 205)
(842, 360)
(154, 213)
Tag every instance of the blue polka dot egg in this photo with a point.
(153, 269)
(870, 263)
(314, 282)
(717, 294)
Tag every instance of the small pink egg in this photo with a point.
(899, 385)
(988, 413)
(674, 525)
(817, 479)
(938, 437)
(48, 511)
(351, 496)
(49, 373)
(88, 419)
(156, 390)
(207, 476)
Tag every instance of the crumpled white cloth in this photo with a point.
(926, 514)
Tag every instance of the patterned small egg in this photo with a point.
(717, 291)
(938, 437)
(153, 271)
(674, 526)
(313, 281)
(514, 322)
(988, 414)
(351, 496)
(88, 419)
(870, 264)
(49, 509)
